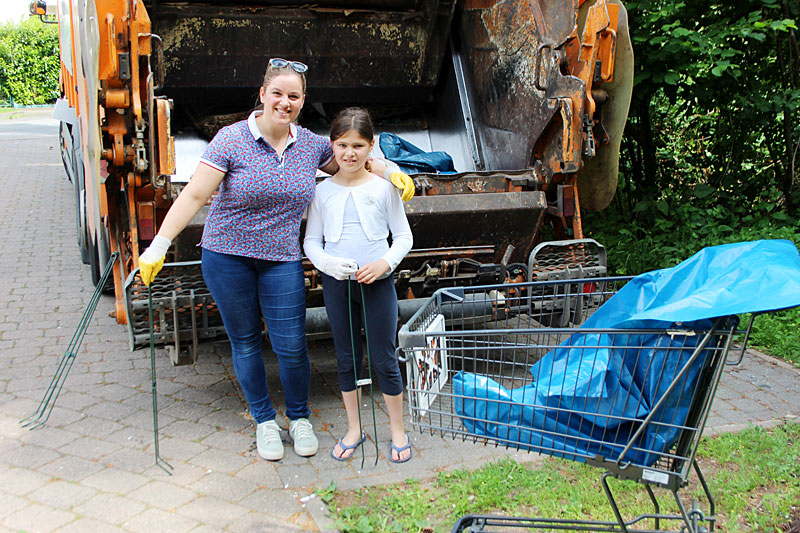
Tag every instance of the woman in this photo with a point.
(265, 169)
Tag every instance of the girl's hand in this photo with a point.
(371, 272)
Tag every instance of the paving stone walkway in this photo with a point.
(91, 466)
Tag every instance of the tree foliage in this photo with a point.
(715, 104)
(29, 62)
(710, 152)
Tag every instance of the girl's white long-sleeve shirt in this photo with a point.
(380, 212)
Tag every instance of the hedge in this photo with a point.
(29, 63)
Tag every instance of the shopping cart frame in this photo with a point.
(489, 324)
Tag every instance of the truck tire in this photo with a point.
(97, 268)
(83, 241)
(73, 166)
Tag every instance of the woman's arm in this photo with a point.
(392, 173)
(194, 196)
(331, 168)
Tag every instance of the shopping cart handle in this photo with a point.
(744, 343)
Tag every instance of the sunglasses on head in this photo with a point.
(279, 62)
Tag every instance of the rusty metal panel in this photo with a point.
(470, 220)
(597, 181)
(502, 42)
(346, 50)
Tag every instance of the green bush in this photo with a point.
(663, 236)
(675, 230)
(29, 63)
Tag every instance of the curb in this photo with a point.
(319, 514)
(773, 360)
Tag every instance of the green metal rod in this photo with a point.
(369, 373)
(355, 371)
(160, 462)
(45, 407)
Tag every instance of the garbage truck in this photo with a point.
(528, 99)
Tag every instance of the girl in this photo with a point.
(353, 212)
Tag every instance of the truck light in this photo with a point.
(146, 212)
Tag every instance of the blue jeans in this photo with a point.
(246, 289)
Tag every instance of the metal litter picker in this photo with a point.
(493, 365)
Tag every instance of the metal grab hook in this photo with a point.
(160, 462)
(367, 380)
(42, 412)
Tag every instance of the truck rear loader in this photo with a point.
(529, 98)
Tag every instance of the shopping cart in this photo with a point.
(491, 365)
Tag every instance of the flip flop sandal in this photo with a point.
(400, 450)
(345, 447)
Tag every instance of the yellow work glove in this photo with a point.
(402, 181)
(152, 259)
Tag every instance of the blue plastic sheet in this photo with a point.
(591, 393)
(412, 159)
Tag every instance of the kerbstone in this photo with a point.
(224, 487)
(71, 468)
(188, 430)
(29, 456)
(212, 511)
(158, 520)
(220, 461)
(281, 504)
(11, 504)
(113, 481)
(61, 494)
(84, 525)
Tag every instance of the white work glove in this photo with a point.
(152, 259)
(339, 268)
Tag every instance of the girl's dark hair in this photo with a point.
(352, 118)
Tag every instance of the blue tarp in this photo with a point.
(590, 394)
(411, 159)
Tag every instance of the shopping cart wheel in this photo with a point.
(696, 517)
(469, 523)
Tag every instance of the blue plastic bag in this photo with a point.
(731, 279)
(411, 159)
(589, 386)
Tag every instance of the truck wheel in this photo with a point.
(83, 241)
(97, 268)
(73, 166)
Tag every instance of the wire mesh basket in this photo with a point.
(493, 365)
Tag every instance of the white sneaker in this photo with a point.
(268, 440)
(305, 442)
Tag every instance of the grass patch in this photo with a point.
(754, 476)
